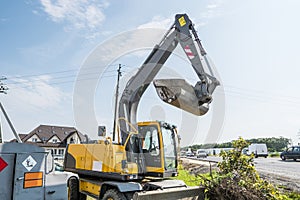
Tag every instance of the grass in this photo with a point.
(189, 179)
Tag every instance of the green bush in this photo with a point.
(274, 154)
(238, 179)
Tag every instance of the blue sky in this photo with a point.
(254, 45)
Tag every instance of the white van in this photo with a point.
(201, 153)
(259, 150)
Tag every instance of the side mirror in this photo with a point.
(49, 162)
(101, 131)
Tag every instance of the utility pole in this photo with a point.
(116, 103)
(3, 89)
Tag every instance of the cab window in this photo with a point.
(297, 149)
(151, 141)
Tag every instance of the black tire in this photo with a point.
(73, 190)
(82, 196)
(113, 194)
(283, 157)
(129, 195)
(295, 159)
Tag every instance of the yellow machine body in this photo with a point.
(107, 160)
(100, 158)
(136, 169)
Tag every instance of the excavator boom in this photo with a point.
(176, 92)
(137, 166)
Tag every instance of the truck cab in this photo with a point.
(258, 150)
(27, 172)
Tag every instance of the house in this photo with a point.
(54, 138)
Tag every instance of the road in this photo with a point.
(285, 173)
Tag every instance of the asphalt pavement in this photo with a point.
(285, 173)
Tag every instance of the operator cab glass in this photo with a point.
(169, 142)
(151, 145)
(159, 148)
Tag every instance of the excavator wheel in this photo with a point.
(113, 194)
(73, 190)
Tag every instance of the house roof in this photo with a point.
(21, 136)
(41, 144)
(46, 132)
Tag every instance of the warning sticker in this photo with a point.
(97, 166)
(3, 164)
(29, 163)
(182, 21)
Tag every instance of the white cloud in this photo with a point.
(212, 9)
(37, 93)
(212, 6)
(157, 22)
(79, 14)
(30, 102)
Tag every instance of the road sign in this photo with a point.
(29, 163)
(3, 164)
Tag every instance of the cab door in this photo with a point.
(29, 176)
(152, 149)
(296, 153)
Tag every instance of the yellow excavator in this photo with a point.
(138, 163)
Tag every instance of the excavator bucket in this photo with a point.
(178, 93)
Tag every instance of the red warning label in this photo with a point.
(3, 164)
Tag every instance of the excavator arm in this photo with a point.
(193, 99)
(105, 167)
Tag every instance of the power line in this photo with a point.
(12, 79)
(65, 82)
(15, 82)
(91, 76)
(60, 72)
(237, 92)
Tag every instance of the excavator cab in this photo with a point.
(159, 148)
